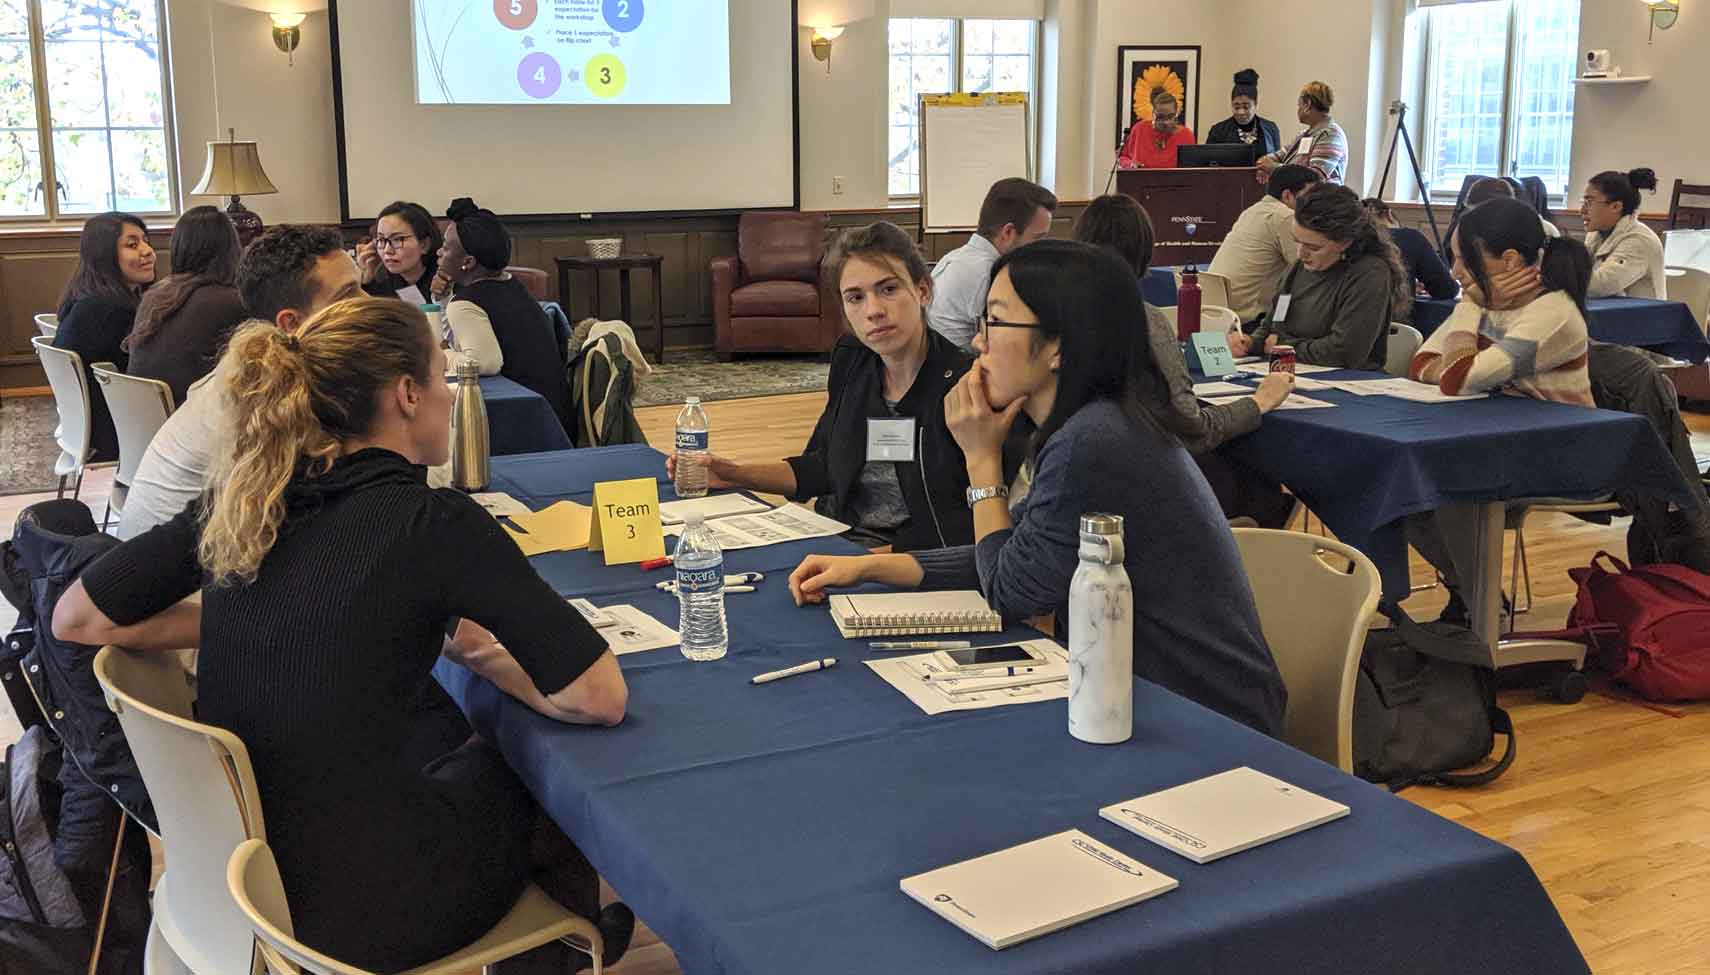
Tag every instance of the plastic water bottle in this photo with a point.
(1101, 636)
(691, 481)
(700, 591)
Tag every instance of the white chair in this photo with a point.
(252, 879)
(139, 406)
(65, 376)
(1213, 288)
(47, 323)
(1315, 614)
(1691, 286)
(1404, 343)
(1218, 319)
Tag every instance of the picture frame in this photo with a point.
(1174, 67)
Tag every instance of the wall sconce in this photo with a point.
(287, 33)
(1663, 13)
(821, 44)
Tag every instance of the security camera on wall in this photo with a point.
(1597, 63)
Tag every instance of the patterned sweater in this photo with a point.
(1328, 151)
(1538, 350)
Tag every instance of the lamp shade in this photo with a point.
(234, 169)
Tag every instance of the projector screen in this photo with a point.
(566, 107)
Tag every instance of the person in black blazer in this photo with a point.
(880, 458)
(1425, 269)
(114, 264)
(1244, 124)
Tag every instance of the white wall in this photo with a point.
(842, 119)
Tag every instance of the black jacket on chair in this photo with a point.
(935, 484)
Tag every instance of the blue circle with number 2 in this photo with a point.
(623, 15)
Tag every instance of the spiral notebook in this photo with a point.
(909, 613)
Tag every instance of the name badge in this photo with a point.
(1282, 308)
(891, 439)
(1305, 147)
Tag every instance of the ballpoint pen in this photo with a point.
(807, 668)
(922, 645)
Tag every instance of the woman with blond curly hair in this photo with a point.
(329, 575)
(1323, 145)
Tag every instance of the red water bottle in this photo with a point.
(1187, 305)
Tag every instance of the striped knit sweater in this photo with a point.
(1537, 350)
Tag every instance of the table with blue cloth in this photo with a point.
(1367, 464)
(765, 829)
(520, 420)
(1646, 323)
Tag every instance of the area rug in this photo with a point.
(27, 450)
(700, 373)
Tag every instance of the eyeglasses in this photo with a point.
(1163, 119)
(987, 323)
(392, 243)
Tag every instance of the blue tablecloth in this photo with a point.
(1373, 460)
(520, 420)
(765, 829)
(1662, 326)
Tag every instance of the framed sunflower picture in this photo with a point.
(1142, 70)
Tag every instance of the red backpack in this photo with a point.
(1663, 612)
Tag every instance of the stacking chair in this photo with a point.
(1213, 289)
(1404, 343)
(1218, 319)
(253, 882)
(47, 323)
(139, 407)
(65, 376)
(1317, 651)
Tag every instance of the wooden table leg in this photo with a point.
(595, 311)
(659, 311)
(623, 294)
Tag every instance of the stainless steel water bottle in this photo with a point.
(470, 462)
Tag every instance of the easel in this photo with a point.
(1398, 135)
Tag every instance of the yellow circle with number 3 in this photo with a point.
(605, 75)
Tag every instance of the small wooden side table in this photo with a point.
(623, 264)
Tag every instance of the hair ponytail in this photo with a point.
(291, 401)
(1566, 267)
(1623, 188)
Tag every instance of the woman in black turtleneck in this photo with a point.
(1244, 124)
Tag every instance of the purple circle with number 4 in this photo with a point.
(539, 75)
(623, 15)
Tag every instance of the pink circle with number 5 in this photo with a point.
(516, 14)
(539, 75)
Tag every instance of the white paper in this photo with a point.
(1296, 401)
(1223, 814)
(499, 504)
(1211, 389)
(1314, 385)
(712, 506)
(412, 295)
(1300, 369)
(1401, 387)
(785, 523)
(636, 631)
(908, 675)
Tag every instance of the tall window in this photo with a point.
(938, 56)
(82, 97)
(1499, 83)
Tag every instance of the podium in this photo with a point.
(1191, 209)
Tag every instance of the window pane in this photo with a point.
(1548, 48)
(17, 85)
(14, 19)
(141, 171)
(1469, 47)
(920, 52)
(1002, 60)
(84, 164)
(20, 173)
(133, 87)
(74, 84)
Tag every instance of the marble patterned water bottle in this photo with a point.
(1101, 636)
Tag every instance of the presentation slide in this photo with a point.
(572, 52)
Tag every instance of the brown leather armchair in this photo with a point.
(532, 278)
(770, 297)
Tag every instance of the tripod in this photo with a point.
(1398, 135)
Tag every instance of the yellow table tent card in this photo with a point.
(626, 521)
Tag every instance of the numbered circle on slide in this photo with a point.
(605, 75)
(539, 75)
(623, 15)
(516, 14)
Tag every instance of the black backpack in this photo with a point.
(1425, 705)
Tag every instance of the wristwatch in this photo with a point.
(976, 495)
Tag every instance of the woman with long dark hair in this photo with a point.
(183, 322)
(1335, 306)
(1064, 340)
(99, 304)
(1626, 255)
(401, 258)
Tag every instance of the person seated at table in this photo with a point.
(1121, 224)
(890, 374)
(1426, 274)
(314, 644)
(183, 322)
(286, 275)
(99, 306)
(1323, 145)
(1152, 142)
(1064, 341)
(1337, 303)
(1520, 328)
(1015, 212)
(401, 259)
(1260, 248)
(1626, 255)
(1244, 126)
(492, 317)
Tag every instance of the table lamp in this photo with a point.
(234, 170)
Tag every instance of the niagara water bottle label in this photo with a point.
(703, 579)
(691, 439)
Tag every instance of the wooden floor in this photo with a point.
(1609, 799)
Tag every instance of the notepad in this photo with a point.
(1223, 814)
(711, 506)
(1013, 895)
(908, 613)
